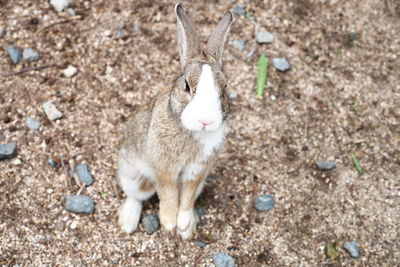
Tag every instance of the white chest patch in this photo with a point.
(210, 140)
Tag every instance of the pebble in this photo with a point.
(2, 32)
(30, 55)
(233, 95)
(151, 223)
(239, 10)
(16, 162)
(52, 162)
(51, 111)
(223, 260)
(353, 248)
(79, 204)
(238, 44)
(200, 212)
(120, 33)
(353, 36)
(7, 150)
(264, 37)
(70, 71)
(73, 225)
(325, 165)
(280, 64)
(70, 12)
(264, 202)
(32, 124)
(60, 5)
(200, 244)
(83, 174)
(60, 226)
(14, 54)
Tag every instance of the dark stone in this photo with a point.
(223, 260)
(264, 203)
(151, 223)
(7, 150)
(325, 165)
(79, 204)
(353, 248)
(83, 174)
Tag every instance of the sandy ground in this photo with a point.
(342, 96)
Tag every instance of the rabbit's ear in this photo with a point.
(215, 44)
(188, 40)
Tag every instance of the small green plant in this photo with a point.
(330, 251)
(353, 106)
(356, 163)
(262, 73)
(103, 193)
(202, 203)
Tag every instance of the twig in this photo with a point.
(78, 17)
(66, 171)
(113, 187)
(25, 70)
(76, 179)
(254, 48)
(80, 189)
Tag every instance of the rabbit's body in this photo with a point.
(172, 143)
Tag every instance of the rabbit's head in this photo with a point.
(199, 97)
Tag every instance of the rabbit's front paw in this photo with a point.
(129, 215)
(187, 221)
(168, 221)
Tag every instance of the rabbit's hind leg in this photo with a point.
(134, 181)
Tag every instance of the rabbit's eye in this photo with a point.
(187, 87)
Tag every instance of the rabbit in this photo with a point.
(172, 143)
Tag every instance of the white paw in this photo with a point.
(187, 221)
(129, 215)
(169, 227)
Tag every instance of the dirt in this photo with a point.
(341, 96)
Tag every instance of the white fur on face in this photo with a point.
(205, 105)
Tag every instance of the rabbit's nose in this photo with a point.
(205, 123)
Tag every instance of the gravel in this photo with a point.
(32, 124)
(60, 5)
(264, 203)
(151, 223)
(14, 54)
(79, 204)
(325, 165)
(30, 55)
(239, 10)
(223, 260)
(51, 111)
(70, 71)
(264, 37)
(238, 44)
(280, 64)
(83, 174)
(7, 150)
(353, 248)
(2, 32)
